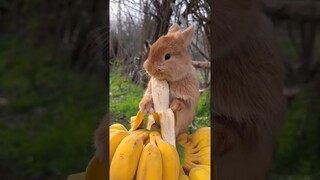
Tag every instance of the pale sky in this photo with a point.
(114, 9)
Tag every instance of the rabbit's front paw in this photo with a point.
(177, 105)
(146, 105)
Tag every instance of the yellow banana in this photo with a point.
(145, 137)
(139, 131)
(150, 163)
(115, 139)
(156, 118)
(118, 127)
(144, 133)
(205, 160)
(205, 150)
(182, 138)
(205, 142)
(113, 130)
(126, 158)
(199, 135)
(205, 167)
(170, 159)
(183, 175)
(198, 156)
(189, 148)
(188, 165)
(137, 121)
(198, 173)
(154, 134)
(195, 152)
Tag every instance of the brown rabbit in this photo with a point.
(169, 60)
(247, 82)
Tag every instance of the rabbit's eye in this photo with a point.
(167, 56)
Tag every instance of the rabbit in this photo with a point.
(170, 60)
(247, 80)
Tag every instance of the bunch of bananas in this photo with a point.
(194, 152)
(141, 154)
(144, 154)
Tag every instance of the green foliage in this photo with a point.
(202, 118)
(47, 126)
(297, 151)
(124, 99)
(287, 48)
(287, 151)
(297, 154)
(181, 152)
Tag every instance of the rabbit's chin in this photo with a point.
(169, 77)
(158, 76)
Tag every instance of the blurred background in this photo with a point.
(53, 61)
(297, 29)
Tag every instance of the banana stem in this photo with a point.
(152, 138)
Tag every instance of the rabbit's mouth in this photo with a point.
(159, 76)
(152, 71)
(156, 70)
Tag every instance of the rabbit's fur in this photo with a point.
(247, 82)
(178, 71)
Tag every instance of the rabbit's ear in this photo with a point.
(174, 28)
(187, 35)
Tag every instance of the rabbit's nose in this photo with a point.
(146, 64)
